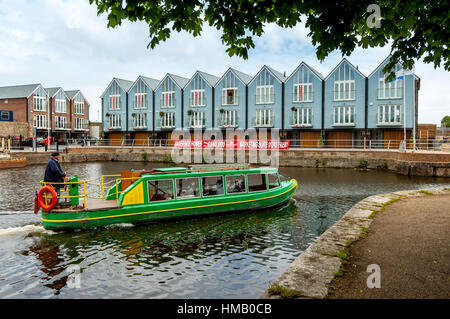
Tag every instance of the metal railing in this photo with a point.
(362, 144)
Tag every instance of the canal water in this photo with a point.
(226, 256)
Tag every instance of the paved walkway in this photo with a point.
(410, 241)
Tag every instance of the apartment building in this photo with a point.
(32, 109)
(343, 108)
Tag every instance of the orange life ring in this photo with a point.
(41, 200)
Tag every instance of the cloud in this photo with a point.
(65, 43)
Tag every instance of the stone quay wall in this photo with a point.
(419, 163)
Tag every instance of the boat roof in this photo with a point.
(210, 170)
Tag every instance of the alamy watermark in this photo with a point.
(374, 19)
(74, 277)
(374, 279)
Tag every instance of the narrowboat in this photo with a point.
(164, 193)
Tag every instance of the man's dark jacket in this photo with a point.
(54, 173)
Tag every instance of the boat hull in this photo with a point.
(136, 214)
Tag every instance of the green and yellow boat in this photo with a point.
(167, 193)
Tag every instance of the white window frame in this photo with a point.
(229, 118)
(40, 121)
(225, 96)
(265, 94)
(197, 119)
(60, 122)
(168, 120)
(116, 105)
(391, 112)
(344, 90)
(60, 106)
(39, 103)
(140, 120)
(264, 118)
(302, 116)
(345, 114)
(168, 99)
(115, 121)
(78, 108)
(80, 123)
(306, 91)
(390, 90)
(201, 100)
(144, 101)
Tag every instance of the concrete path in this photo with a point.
(410, 242)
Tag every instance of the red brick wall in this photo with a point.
(18, 106)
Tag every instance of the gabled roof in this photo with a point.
(278, 75)
(150, 82)
(123, 84)
(209, 78)
(382, 64)
(73, 93)
(245, 78)
(53, 91)
(319, 75)
(18, 91)
(344, 60)
(178, 80)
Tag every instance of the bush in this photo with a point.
(363, 164)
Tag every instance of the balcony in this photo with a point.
(228, 100)
(198, 102)
(192, 122)
(82, 127)
(303, 98)
(345, 95)
(165, 123)
(390, 93)
(135, 124)
(263, 121)
(63, 126)
(168, 103)
(390, 120)
(296, 120)
(264, 98)
(227, 122)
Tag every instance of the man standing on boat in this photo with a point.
(54, 173)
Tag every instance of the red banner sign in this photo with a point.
(247, 144)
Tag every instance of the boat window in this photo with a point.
(256, 182)
(212, 185)
(284, 178)
(235, 184)
(161, 189)
(187, 187)
(273, 180)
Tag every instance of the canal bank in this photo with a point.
(314, 273)
(418, 163)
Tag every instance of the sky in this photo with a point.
(65, 43)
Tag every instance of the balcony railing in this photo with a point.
(165, 123)
(296, 121)
(263, 121)
(305, 97)
(63, 126)
(345, 95)
(198, 102)
(264, 98)
(230, 100)
(138, 125)
(230, 122)
(390, 93)
(82, 127)
(393, 120)
(170, 103)
(195, 123)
